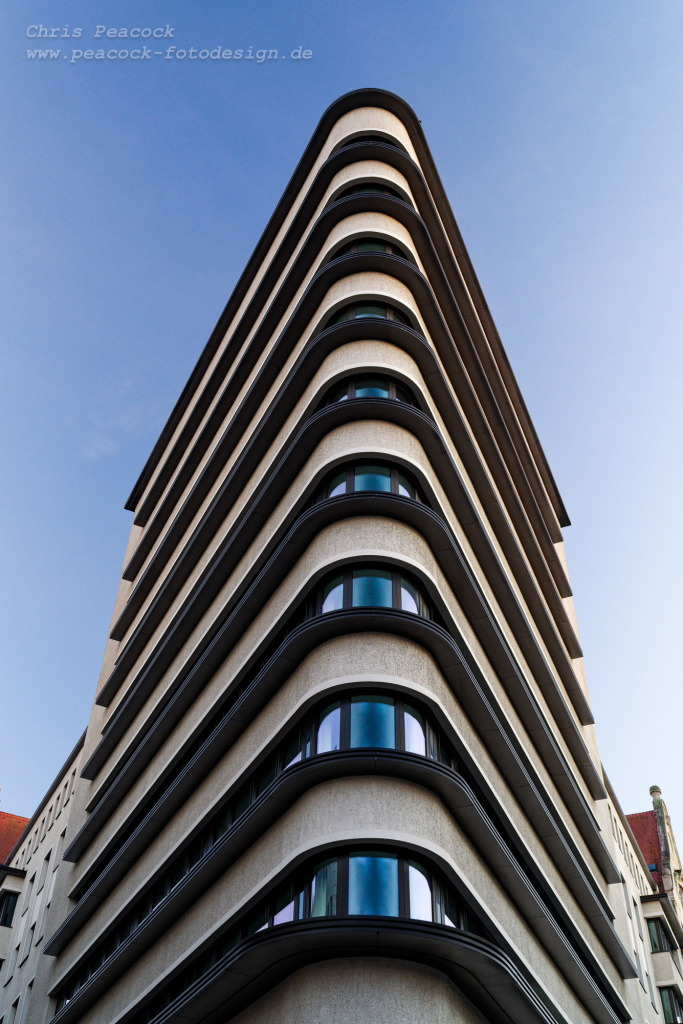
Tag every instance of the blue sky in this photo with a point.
(132, 195)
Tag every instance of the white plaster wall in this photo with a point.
(360, 990)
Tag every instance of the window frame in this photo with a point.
(395, 472)
(394, 315)
(426, 609)
(391, 249)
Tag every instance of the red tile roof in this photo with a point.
(11, 827)
(644, 828)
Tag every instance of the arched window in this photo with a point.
(370, 245)
(369, 386)
(371, 881)
(365, 882)
(353, 720)
(368, 311)
(367, 718)
(369, 476)
(370, 586)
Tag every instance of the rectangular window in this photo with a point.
(637, 917)
(8, 903)
(659, 940)
(671, 1004)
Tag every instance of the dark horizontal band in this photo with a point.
(502, 848)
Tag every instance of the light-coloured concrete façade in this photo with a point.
(208, 669)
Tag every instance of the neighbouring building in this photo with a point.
(341, 764)
(11, 827)
(664, 908)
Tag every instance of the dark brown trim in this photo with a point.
(291, 462)
(473, 692)
(503, 851)
(389, 101)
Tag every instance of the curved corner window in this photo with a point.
(370, 882)
(369, 386)
(370, 245)
(369, 476)
(368, 311)
(371, 586)
(370, 138)
(368, 188)
(369, 718)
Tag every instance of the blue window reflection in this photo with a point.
(373, 884)
(420, 892)
(324, 889)
(372, 387)
(414, 728)
(329, 729)
(372, 722)
(372, 478)
(333, 595)
(372, 587)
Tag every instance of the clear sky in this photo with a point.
(134, 192)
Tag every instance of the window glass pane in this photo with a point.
(369, 309)
(671, 1006)
(372, 587)
(242, 802)
(292, 752)
(338, 394)
(266, 776)
(372, 722)
(447, 910)
(373, 884)
(372, 478)
(435, 748)
(333, 595)
(372, 387)
(346, 314)
(420, 893)
(372, 245)
(414, 730)
(410, 600)
(258, 922)
(337, 485)
(284, 906)
(324, 889)
(405, 487)
(399, 316)
(328, 732)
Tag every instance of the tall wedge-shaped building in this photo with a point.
(341, 764)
